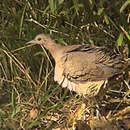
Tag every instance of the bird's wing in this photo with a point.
(89, 63)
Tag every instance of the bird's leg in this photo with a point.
(93, 103)
(93, 106)
(102, 90)
(96, 101)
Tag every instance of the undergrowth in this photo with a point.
(29, 97)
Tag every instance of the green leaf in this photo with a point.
(13, 99)
(60, 1)
(100, 11)
(91, 2)
(124, 6)
(77, 6)
(106, 19)
(125, 33)
(34, 123)
(52, 5)
(22, 19)
(60, 40)
(120, 39)
(16, 111)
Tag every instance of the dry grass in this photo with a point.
(29, 98)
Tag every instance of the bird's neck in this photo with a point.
(53, 48)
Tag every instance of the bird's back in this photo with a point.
(90, 63)
(85, 66)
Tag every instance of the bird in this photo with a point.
(83, 69)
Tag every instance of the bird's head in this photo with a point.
(40, 39)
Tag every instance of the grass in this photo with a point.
(29, 97)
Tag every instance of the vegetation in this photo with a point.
(29, 98)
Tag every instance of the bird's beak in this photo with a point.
(31, 42)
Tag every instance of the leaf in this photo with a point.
(100, 11)
(124, 6)
(106, 19)
(16, 111)
(21, 21)
(60, 1)
(125, 32)
(91, 2)
(120, 39)
(34, 123)
(62, 41)
(13, 99)
(77, 6)
(52, 5)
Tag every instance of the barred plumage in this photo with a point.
(82, 68)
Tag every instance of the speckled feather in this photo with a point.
(91, 63)
(82, 68)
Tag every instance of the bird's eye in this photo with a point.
(39, 39)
